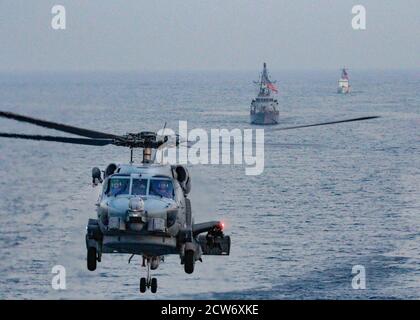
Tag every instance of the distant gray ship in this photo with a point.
(264, 108)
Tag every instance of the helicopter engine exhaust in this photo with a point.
(110, 169)
(147, 155)
(181, 174)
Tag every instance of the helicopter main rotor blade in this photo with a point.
(58, 126)
(83, 141)
(326, 123)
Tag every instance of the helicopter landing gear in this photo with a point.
(189, 261)
(94, 238)
(91, 259)
(189, 258)
(143, 285)
(148, 282)
(153, 285)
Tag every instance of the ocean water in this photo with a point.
(329, 198)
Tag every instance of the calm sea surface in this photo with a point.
(329, 198)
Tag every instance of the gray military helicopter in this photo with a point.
(143, 209)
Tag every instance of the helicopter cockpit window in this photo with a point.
(118, 186)
(162, 188)
(139, 187)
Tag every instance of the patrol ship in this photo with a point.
(264, 107)
(343, 83)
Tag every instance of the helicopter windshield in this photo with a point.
(139, 187)
(118, 185)
(162, 188)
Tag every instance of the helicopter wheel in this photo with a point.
(153, 286)
(91, 259)
(143, 285)
(189, 261)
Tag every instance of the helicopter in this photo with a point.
(143, 209)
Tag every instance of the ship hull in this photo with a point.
(343, 90)
(266, 117)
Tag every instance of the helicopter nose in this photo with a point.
(136, 204)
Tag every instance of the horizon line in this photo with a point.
(196, 70)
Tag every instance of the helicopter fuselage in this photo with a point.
(144, 210)
(139, 219)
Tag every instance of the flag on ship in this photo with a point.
(272, 87)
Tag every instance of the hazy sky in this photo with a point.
(210, 34)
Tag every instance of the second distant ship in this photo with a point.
(264, 108)
(343, 83)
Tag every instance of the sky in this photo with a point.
(135, 35)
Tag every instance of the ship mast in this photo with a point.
(344, 74)
(264, 75)
(265, 82)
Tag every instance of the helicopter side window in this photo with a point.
(162, 188)
(139, 187)
(118, 186)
